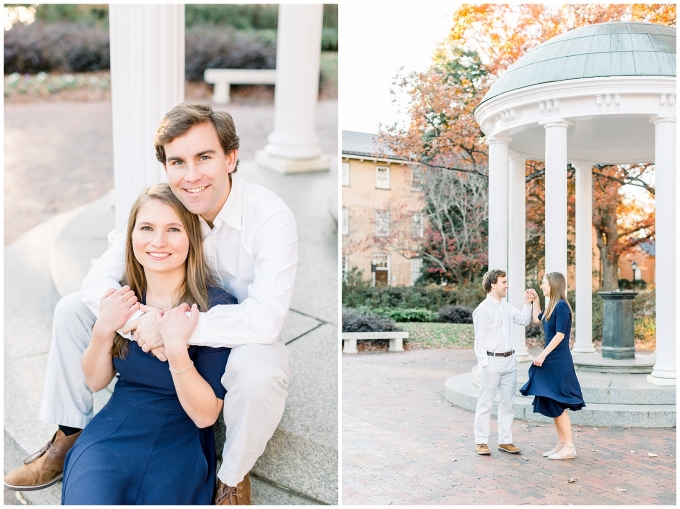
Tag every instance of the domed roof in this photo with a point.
(607, 49)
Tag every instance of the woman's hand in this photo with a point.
(538, 361)
(176, 327)
(115, 309)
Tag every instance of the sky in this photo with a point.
(377, 40)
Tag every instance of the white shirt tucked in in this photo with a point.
(251, 251)
(493, 320)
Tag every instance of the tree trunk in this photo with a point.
(607, 237)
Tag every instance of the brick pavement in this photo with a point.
(401, 437)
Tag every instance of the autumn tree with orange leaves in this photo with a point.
(444, 136)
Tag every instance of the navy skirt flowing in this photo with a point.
(554, 384)
(142, 447)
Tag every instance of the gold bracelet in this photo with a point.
(183, 371)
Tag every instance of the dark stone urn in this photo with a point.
(618, 337)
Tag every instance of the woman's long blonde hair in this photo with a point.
(558, 292)
(197, 279)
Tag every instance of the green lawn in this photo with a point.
(439, 335)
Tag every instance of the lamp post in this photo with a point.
(634, 266)
(373, 273)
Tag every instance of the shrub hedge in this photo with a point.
(455, 314)
(356, 321)
(81, 47)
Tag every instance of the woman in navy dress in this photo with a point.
(552, 377)
(153, 441)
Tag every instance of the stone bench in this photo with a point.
(224, 78)
(349, 340)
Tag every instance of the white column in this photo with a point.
(666, 238)
(294, 144)
(498, 203)
(517, 248)
(584, 258)
(556, 197)
(147, 80)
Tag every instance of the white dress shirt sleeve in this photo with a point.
(522, 317)
(260, 317)
(107, 273)
(480, 318)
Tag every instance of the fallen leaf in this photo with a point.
(622, 490)
(571, 479)
(525, 426)
(595, 429)
(595, 450)
(652, 455)
(632, 451)
(464, 435)
(532, 444)
(577, 435)
(21, 498)
(525, 459)
(577, 429)
(670, 455)
(455, 459)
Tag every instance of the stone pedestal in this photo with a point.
(618, 338)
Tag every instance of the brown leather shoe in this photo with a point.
(43, 468)
(239, 495)
(512, 449)
(482, 449)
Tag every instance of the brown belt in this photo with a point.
(504, 354)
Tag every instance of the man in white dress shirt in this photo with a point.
(496, 362)
(250, 244)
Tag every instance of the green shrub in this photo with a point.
(455, 314)
(356, 321)
(403, 314)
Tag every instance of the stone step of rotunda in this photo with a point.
(623, 400)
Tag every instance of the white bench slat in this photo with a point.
(396, 338)
(224, 78)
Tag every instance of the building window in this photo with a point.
(417, 225)
(381, 276)
(345, 174)
(416, 269)
(382, 177)
(382, 223)
(416, 179)
(345, 221)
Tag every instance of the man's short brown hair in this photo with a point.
(491, 278)
(184, 116)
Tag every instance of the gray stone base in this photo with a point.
(283, 165)
(595, 362)
(611, 399)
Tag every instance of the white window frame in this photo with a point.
(345, 266)
(345, 221)
(416, 269)
(416, 176)
(418, 225)
(382, 223)
(345, 174)
(382, 177)
(386, 258)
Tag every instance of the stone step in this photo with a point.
(462, 392)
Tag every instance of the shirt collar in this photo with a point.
(492, 300)
(232, 210)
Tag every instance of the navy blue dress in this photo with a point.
(142, 447)
(554, 384)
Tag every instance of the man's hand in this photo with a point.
(176, 327)
(159, 353)
(145, 328)
(116, 307)
(530, 295)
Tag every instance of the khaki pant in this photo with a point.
(498, 376)
(256, 380)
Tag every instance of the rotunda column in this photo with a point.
(294, 144)
(147, 81)
(498, 203)
(556, 197)
(517, 248)
(666, 289)
(584, 258)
